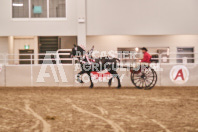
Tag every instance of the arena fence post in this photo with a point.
(31, 71)
(5, 61)
(160, 59)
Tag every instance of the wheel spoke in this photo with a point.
(136, 79)
(142, 84)
(149, 76)
(138, 83)
(146, 83)
(149, 79)
(149, 82)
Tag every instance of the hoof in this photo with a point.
(80, 81)
(91, 86)
(118, 87)
(109, 84)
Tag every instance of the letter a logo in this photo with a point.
(179, 74)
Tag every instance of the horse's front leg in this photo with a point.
(89, 74)
(118, 78)
(110, 81)
(78, 76)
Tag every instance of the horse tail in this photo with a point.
(118, 60)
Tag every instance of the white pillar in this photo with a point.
(81, 6)
(196, 55)
(173, 50)
(36, 50)
(11, 49)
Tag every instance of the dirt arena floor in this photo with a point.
(162, 109)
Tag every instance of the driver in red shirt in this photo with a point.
(147, 56)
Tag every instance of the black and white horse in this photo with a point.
(99, 64)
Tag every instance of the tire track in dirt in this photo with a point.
(161, 125)
(115, 126)
(28, 110)
(102, 110)
(36, 125)
(8, 109)
(153, 120)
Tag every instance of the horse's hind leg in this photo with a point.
(119, 84)
(78, 76)
(89, 74)
(115, 74)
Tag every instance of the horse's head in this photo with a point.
(78, 51)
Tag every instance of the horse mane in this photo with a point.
(80, 48)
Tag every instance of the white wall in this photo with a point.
(19, 44)
(36, 27)
(108, 43)
(142, 17)
(16, 43)
(3, 45)
(108, 17)
(3, 48)
(67, 42)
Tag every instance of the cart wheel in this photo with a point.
(146, 79)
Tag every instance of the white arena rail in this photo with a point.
(5, 58)
(58, 59)
(14, 74)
